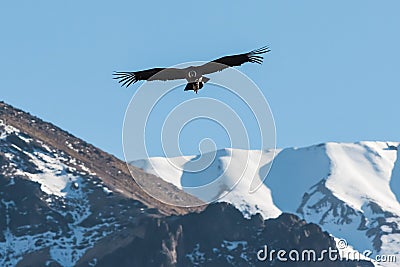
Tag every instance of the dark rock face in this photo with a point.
(64, 202)
(220, 236)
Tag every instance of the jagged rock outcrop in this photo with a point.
(221, 236)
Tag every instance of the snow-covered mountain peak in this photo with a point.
(349, 189)
(361, 173)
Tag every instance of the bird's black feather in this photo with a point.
(164, 74)
(234, 60)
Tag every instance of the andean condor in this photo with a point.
(193, 74)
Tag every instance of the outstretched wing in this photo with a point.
(235, 60)
(160, 74)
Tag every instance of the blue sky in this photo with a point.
(332, 75)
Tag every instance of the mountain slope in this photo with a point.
(113, 172)
(348, 189)
(61, 198)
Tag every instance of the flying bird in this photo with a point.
(193, 74)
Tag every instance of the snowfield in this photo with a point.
(351, 189)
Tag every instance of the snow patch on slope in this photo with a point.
(63, 191)
(54, 178)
